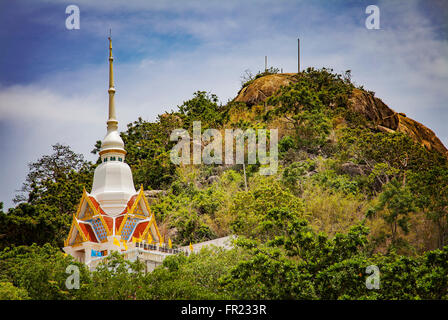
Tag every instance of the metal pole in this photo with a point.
(298, 55)
(265, 63)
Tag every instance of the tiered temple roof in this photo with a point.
(91, 223)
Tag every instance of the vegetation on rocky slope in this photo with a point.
(357, 185)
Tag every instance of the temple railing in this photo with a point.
(163, 248)
(145, 251)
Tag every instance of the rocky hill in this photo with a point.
(382, 116)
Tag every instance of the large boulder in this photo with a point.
(352, 169)
(212, 179)
(262, 88)
(153, 195)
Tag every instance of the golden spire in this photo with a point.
(112, 141)
(112, 121)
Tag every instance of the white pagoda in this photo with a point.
(114, 216)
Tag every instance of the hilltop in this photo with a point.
(363, 102)
(340, 149)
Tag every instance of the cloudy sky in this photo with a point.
(53, 81)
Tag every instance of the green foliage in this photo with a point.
(289, 265)
(386, 155)
(47, 199)
(338, 182)
(148, 149)
(332, 211)
(41, 272)
(309, 103)
(117, 279)
(9, 292)
(431, 190)
(395, 203)
(185, 208)
(249, 207)
(203, 107)
(49, 173)
(286, 143)
(295, 175)
(195, 277)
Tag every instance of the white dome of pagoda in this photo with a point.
(112, 141)
(113, 186)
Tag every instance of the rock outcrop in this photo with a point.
(383, 117)
(263, 87)
(153, 195)
(352, 169)
(386, 119)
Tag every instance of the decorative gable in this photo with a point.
(138, 205)
(86, 209)
(138, 210)
(88, 213)
(78, 238)
(91, 223)
(75, 236)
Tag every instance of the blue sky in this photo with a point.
(53, 81)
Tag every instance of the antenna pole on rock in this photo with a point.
(265, 63)
(298, 55)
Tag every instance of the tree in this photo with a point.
(294, 175)
(194, 277)
(386, 155)
(9, 292)
(48, 199)
(249, 207)
(203, 107)
(185, 207)
(303, 109)
(117, 279)
(430, 188)
(395, 203)
(308, 103)
(148, 149)
(41, 272)
(49, 170)
(291, 263)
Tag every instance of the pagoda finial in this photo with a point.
(112, 142)
(112, 121)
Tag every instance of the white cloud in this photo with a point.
(32, 102)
